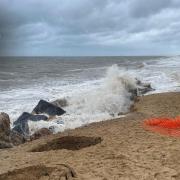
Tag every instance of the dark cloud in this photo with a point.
(83, 27)
(143, 8)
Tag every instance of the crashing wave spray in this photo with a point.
(109, 99)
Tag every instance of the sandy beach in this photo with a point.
(89, 90)
(118, 149)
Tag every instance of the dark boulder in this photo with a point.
(27, 116)
(40, 133)
(60, 102)
(134, 93)
(21, 124)
(4, 127)
(141, 89)
(22, 129)
(4, 124)
(38, 117)
(144, 88)
(8, 137)
(47, 108)
(4, 131)
(17, 138)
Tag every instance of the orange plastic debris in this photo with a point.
(166, 126)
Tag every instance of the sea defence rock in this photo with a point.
(16, 138)
(27, 116)
(4, 124)
(22, 129)
(21, 124)
(142, 88)
(47, 108)
(4, 131)
(60, 102)
(8, 138)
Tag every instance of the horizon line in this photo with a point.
(87, 55)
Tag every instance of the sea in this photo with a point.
(95, 88)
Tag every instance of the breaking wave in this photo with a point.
(111, 98)
(86, 90)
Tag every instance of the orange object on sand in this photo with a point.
(166, 126)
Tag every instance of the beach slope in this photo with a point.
(118, 149)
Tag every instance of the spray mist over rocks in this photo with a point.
(111, 98)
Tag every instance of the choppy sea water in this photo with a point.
(94, 86)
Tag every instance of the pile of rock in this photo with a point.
(141, 89)
(8, 137)
(20, 131)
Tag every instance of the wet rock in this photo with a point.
(17, 138)
(8, 138)
(52, 128)
(142, 88)
(4, 130)
(21, 124)
(138, 82)
(4, 124)
(27, 116)
(147, 85)
(134, 94)
(40, 133)
(47, 108)
(60, 102)
(22, 129)
(142, 91)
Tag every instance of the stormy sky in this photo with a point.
(89, 27)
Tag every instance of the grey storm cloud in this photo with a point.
(89, 27)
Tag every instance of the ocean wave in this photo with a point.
(94, 98)
(111, 98)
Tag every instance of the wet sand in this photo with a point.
(118, 149)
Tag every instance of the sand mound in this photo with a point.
(41, 172)
(69, 143)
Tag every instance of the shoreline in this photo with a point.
(125, 151)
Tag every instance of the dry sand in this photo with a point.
(118, 149)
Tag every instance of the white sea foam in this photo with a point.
(163, 74)
(104, 101)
